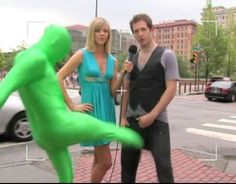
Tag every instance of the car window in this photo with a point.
(221, 84)
(213, 79)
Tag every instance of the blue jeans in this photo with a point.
(157, 140)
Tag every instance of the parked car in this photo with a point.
(225, 90)
(13, 121)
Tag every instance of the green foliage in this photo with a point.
(122, 56)
(59, 65)
(7, 58)
(1, 60)
(184, 67)
(230, 60)
(20, 47)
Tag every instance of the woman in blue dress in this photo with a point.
(97, 71)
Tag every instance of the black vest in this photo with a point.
(148, 85)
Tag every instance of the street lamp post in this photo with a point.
(96, 9)
(228, 65)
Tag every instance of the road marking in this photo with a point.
(227, 121)
(14, 164)
(232, 116)
(213, 134)
(31, 159)
(212, 159)
(205, 153)
(9, 144)
(220, 126)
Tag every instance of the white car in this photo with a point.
(13, 121)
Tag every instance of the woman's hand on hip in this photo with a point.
(82, 108)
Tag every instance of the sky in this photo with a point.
(25, 20)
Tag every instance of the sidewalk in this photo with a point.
(186, 169)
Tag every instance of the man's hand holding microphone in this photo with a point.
(127, 67)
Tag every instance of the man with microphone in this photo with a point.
(151, 86)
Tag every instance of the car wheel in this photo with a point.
(19, 130)
(233, 98)
(210, 99)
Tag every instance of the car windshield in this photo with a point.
(221, 84)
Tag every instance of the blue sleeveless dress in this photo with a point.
(95, 89)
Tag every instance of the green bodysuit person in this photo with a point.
(53, 126)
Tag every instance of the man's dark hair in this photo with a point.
(141, 17)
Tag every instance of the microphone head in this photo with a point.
(132, 49)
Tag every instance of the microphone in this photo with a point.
(132, 51)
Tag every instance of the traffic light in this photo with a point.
(194, 58)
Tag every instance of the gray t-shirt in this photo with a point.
(170, 65)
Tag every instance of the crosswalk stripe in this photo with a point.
(232, 116)
(213, 134)
(220, 126)
(227, 121)
(10, 144)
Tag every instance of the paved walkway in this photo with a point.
(186, 170)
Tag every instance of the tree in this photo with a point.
(20, 47)
(210, 38)
(59, 65)
(122, 56)
(7, 58)
(1, 60)
(230, 32)
(184, 69)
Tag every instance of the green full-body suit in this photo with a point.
(53, 126)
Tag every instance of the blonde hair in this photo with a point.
(95, 24)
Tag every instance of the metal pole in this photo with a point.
(96, 9)
(207, 71)
(228, 63)
(120, 40)
(195, 76)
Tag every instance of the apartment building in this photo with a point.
(176, 35)
(127, 39)
(115, 42)
(222, 14)
(79, 36)
(121, 39)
